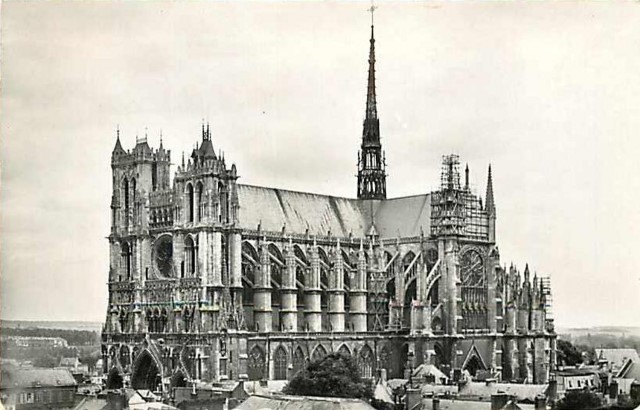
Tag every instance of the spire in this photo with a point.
(118, 147)
(371, 111)
(491, 207)
(371, 161)
(466, 177)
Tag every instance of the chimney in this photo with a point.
(499, 400)
(383, 375)
(540, 402)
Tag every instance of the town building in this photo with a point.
(37, 388)
(282, 402)
(211, 279)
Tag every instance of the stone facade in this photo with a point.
(212, 280)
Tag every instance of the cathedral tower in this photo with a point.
(371, 163)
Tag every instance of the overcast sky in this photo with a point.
(548, 93)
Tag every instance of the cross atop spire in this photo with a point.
(371, 10)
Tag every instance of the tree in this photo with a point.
(335, 375)
(89, 356)
(579, 399)
(568, 354)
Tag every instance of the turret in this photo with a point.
(491, 208)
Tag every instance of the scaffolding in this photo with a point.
(448, 206)
(545, 284)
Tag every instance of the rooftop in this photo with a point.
(259, 402)
(18, 377)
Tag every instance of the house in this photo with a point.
(627, 376)
(259, 402)
(37, 388)
(614, 359)
(578, 379)
(523, 393)
(498, 401)
(428, 373)
(216, 396)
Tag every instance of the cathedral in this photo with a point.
(213, 280)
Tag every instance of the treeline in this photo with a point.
(73, 337)
(608, 341)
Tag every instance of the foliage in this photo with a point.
(579, 399)
(335, 375)
(39, 356)
(89, 356)
(568, 354)
(588, 353)
(381, 405)
(73, 337)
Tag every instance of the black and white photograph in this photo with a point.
(389, 205)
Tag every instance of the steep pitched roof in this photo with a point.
(630, 370)
(402, 217)
(617, 357)
(273, 209)
(36, 377)
(297, 212)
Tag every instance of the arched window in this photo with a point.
(163, 320)
(318, 353)
(277, 266)
(187, 319)
(189, 204)
(126, 259)
(325, 267)
(348, 271)
(344, 350)
(256, 364)
(200, 191)
(224, 203)
(298, 360)
(125, 357)
(280, 364)
(133, 198)
(250, 264)
(124, 320)
(302, 281)
(366, 362)
(125, 193)
(150, 323)
(190, 256)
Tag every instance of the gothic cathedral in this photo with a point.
(213, 280)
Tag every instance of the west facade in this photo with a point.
(213, 280)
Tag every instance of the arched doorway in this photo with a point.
(146, 374)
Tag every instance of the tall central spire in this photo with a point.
(371, 162)
(372, 110)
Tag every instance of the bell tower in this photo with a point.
(372, 182)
